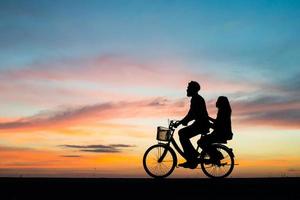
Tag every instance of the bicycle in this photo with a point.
(160, 160)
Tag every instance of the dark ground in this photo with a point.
(89, 188)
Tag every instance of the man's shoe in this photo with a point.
(185, 164)
(191, 165)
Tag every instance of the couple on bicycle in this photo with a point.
(221, 127)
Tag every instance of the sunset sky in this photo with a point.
(84, 84)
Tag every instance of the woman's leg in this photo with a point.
(206, 144)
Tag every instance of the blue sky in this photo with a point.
(243, 34)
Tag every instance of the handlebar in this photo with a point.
(173, 123)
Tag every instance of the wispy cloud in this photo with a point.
(15, 149)
(287, 118)
(118, 71)
(105, 78)
(71, 156)
(268, 111)
(105, 111)
(277, 105)
(99, 148)
(294, 170)
(262, 110)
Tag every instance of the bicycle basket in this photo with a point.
(163, 134)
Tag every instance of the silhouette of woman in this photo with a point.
(221, 125)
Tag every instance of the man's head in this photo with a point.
(192, 89)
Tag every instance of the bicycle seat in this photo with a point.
(217, 141)
(222, 141)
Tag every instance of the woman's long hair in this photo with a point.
(223, 104)
(223, 121)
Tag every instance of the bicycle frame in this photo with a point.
(173, 142)
(177, 148)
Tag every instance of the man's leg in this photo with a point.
(185, 134)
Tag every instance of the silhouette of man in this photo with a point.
(201, 124)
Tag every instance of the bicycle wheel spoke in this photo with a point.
(159, 153)
(167, 161)
(165, 167)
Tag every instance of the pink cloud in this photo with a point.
(98, 112)
(151, 108)
(122, 73)
(48, 95)
(45, 85)
(119, 71)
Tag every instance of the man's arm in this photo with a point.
(190, 115)
(187, 118)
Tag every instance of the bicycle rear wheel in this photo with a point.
(221, 168)
(159, 161)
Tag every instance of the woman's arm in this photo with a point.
(211, 122)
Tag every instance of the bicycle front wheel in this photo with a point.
(159, 161)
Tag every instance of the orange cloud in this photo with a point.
(282, 114)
